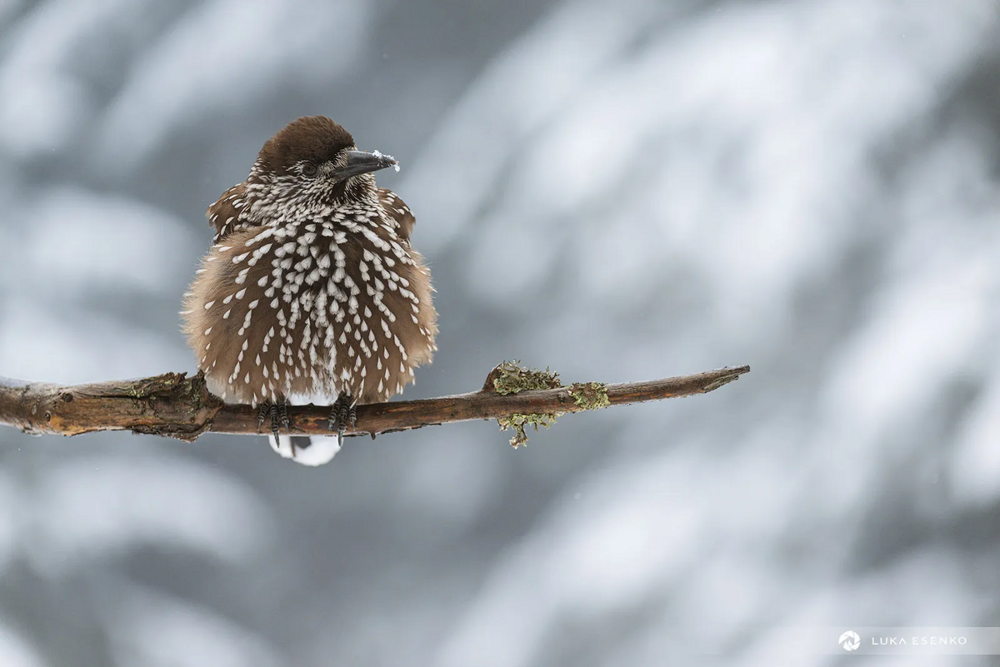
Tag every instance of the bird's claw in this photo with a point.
(277, 413)
(343, 415)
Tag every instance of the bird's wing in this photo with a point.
(225, 215)
(398, 211)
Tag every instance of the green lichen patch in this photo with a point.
(511, 378)
(590, 395)
(518, 421)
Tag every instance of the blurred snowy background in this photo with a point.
(619, 190)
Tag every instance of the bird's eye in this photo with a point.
(309, 170)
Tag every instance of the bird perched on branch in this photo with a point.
(311, 287)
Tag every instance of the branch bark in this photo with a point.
(178, 406)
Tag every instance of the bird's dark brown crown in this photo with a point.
(310, 139)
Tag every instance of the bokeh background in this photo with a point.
(619, 190)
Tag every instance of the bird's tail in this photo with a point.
(308, 451)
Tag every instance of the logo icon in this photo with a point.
(850, 640)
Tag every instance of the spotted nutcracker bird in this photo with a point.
(311, 287)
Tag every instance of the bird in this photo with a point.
(311, 287)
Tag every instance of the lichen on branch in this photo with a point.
(512, 378)
(590, 395)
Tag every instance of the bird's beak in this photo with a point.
(360, 162)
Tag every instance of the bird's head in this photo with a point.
(311, 162)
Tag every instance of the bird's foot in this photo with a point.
(277, 412)
(343, 415)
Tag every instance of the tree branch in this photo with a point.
(177, 406)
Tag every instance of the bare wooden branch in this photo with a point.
(178, 406)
